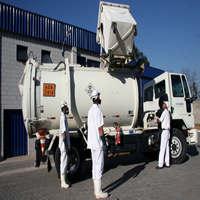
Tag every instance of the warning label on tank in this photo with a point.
(49, 89)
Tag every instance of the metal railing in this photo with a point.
(22, 22)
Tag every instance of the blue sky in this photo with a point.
(168, 31)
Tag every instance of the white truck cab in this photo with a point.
(174, 88)
(178, 93)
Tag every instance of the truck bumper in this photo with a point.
(192, 138)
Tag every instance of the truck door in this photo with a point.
(187, 95)
(181, 109)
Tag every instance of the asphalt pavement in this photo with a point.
(126, 177)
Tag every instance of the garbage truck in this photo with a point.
(129, 104)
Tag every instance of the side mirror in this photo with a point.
(190, 100)
(194, 98)
(194, 90)
(194, 94)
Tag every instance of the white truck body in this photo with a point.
(74, 84)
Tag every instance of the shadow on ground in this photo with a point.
(132, 173)
(130, 159)
(86, 172)
(192, 150)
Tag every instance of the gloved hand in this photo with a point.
(104, 143)
(67, 144)
(67, 147)
(67, 150)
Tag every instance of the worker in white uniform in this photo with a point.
(64, 145)
(96, 142)
(165, 120)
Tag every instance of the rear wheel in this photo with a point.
(178, 147)
(57, 161)
(74, 161)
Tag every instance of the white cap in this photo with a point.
(94, 94)
(63, 104)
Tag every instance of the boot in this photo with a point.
(63, 182)
(98, 191)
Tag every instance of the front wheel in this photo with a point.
(178, 147)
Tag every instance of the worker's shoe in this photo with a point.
(67, 181)
(63, 182)
(98, 191)
(157, 167)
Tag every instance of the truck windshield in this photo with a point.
(177, 88)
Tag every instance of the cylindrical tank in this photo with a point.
(43, 90)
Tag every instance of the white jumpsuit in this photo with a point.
(95, 120)
(165, 136)
(64, 135)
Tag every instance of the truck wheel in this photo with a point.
(178, 147)
(57, 161)
(74, 161)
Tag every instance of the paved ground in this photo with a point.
(125, 178)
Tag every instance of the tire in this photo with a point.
(178, 147)
(57, 161)
(74, 164)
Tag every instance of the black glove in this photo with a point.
(67, 147)
(159, 113)
(104, 143)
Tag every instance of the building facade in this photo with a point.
(24, 34)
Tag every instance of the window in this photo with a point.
(187, 94)
(92, 63)
(22, 55)
(177, 88)
(46, 56)
(148, 94)
(81, 60)
(160, 89)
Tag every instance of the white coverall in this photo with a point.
(95, 120)
(165, 136)
(64, 135)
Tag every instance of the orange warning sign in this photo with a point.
(49, 89)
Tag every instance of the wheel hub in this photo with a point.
(176, 147)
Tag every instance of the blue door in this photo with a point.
(15, 136)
